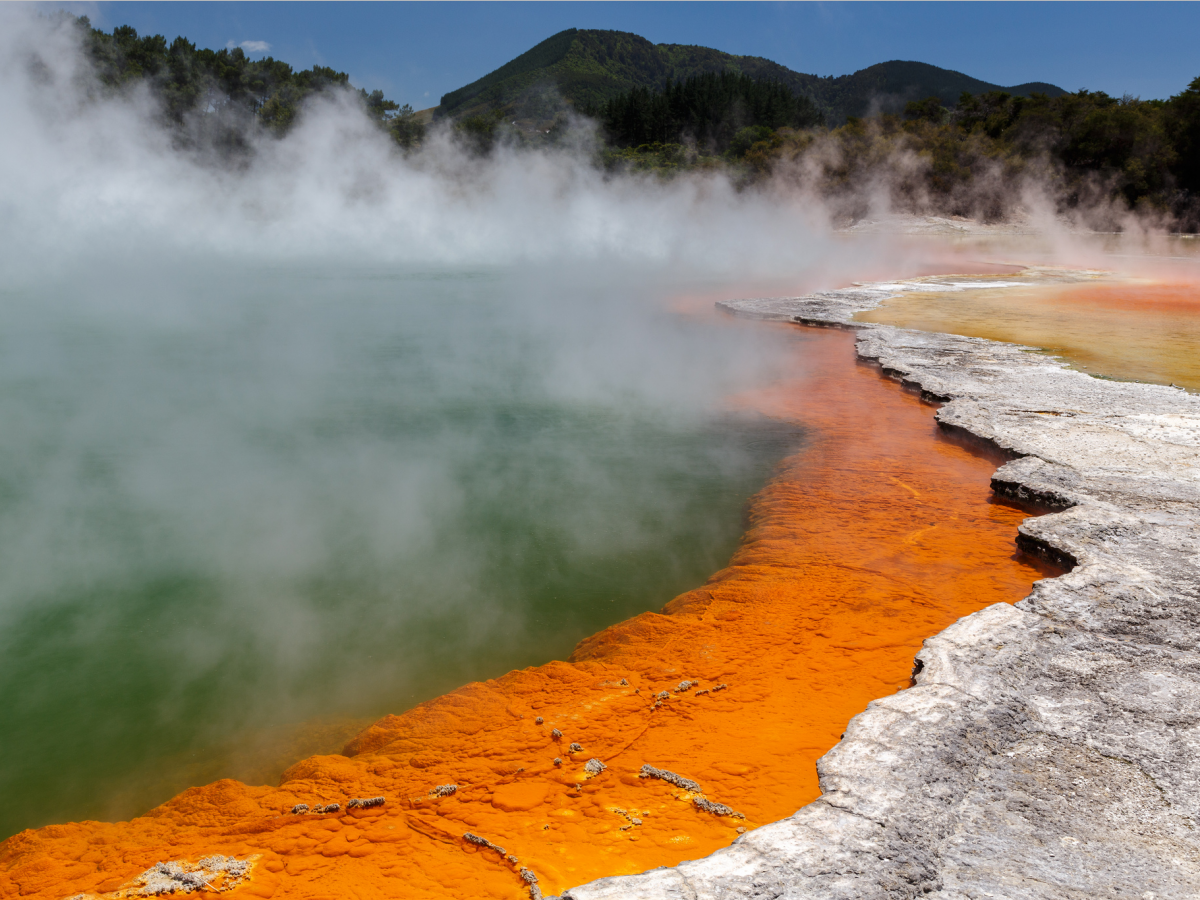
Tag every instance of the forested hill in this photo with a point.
(890, 86)
(591, 67)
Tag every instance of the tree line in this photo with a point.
(709, 109)
(1093, 152)
(212, 96)
(1090, 152)
(1148, 151)
(1095, 155)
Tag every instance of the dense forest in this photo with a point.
(1092, 153)
(710, 109)
(212, 97)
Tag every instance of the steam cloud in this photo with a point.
(264, 423)
(98, 177)
(337, 427)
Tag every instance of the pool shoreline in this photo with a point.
(735, 690)
(1047, 749)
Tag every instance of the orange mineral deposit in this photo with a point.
(663, 736)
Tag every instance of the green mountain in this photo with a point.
(889, 86)
(588, 67)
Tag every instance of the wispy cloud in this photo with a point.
(250, 46)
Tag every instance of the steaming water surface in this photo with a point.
(234, 499)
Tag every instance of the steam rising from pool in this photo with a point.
(335, 429)
(99, 180)
(339, 429)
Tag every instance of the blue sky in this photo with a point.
(416, 52)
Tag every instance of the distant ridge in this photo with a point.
(587, 67)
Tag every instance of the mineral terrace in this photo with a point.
(1047, 750)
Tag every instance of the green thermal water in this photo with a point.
(235, 502)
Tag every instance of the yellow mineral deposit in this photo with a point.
(1136, 329)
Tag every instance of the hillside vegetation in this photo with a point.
(710, 109)
(905, 135)
(1090, 153)
(669, 109)
(211, 97)
(587, 68)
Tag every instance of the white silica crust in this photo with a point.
(1049, 749)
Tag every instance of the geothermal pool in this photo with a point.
(245, 512)
(872, 534)
(250, 514)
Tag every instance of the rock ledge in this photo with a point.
(1049, 749)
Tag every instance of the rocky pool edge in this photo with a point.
(1049, 749)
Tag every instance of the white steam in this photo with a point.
(98, 176)
(302, 434)
(291, 436)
